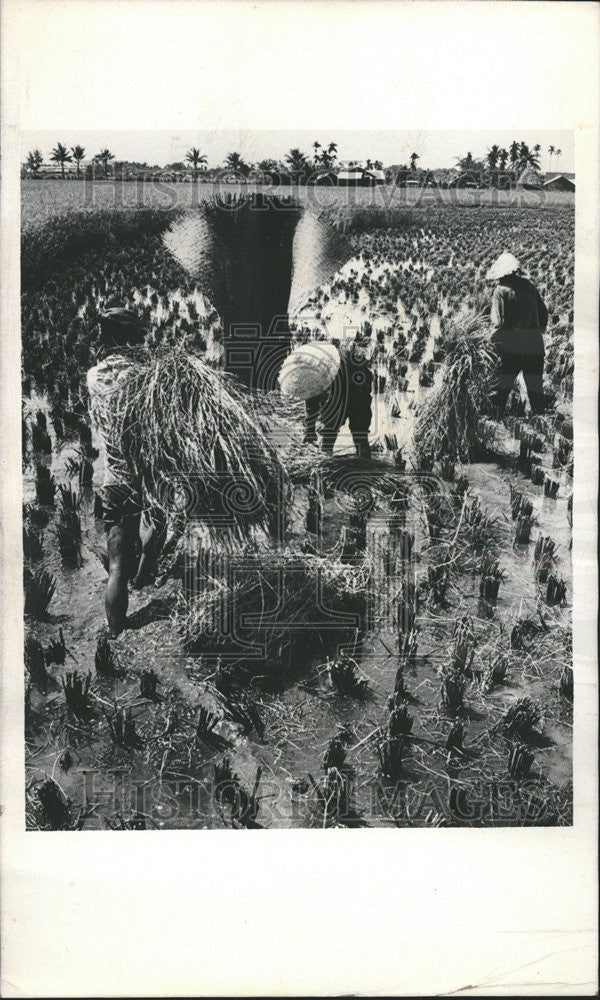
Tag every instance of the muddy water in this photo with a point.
(171, 782)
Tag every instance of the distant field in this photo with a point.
(43, 199)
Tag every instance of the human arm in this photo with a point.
(498, 313)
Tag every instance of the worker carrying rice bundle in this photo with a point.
(178, 436)
(335, 383)
(128, 523)
(519, 317)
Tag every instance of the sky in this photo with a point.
(435, 148)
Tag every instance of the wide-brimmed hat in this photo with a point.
(309, 370)
(506, 263)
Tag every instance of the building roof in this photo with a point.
(551, 174)
(570, 179)
(350, 173)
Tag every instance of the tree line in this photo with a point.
(296, 163)
(300, 166)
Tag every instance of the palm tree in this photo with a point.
(467, 163)
(78, 155)
(298, 164)
(195, 157)
(413, 161)
(534, 157)
(558, 153)
(237, 163)
(503, 158)
(513, 152)
(528, 157)
(378, 165)
(317, 158)
(34, 161)
(551, 150)
(369, 165)
(103, 157)
(60, 154)
(492, 157)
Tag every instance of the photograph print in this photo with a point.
(297, 462)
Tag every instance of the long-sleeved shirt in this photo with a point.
(519, 315)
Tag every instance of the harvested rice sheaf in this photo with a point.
(188, 434)
(276, 601)
(451, 423)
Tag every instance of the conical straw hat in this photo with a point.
(506, 264)
(309, 370)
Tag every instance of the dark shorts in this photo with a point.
(119, 503)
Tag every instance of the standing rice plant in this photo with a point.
(453, 686)
(491, 578)
(121, 726)
(496, 671)
(438, 578)
(523, 716)
(544, 557)
(346, 678)
(455, 738)
(45, 486)
(32, 543)
(106, 661)
(407, 659)
(523, 527)
(69, 527)
(335, 753)
(36, 516)
(57, 650)
(35, 662)
(55, 806)
(451, 420)
(400, 722)
(76, 687)
(406, 608)
(40, 439)
(520, 760)
(537, 476)
(556, 591)
(149, 685)
(40, 588)
(565, 681)
(463, 649)
(206, 724)
(392, 753)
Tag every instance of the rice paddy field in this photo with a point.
(398, 653)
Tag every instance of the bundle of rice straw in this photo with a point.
(272, 599)
(451, 422)
(189, 436)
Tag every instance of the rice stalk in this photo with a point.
(450, 424)
(189, 435)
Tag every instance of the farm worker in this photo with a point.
(518, 317)
(126, 522)
(348, 398)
